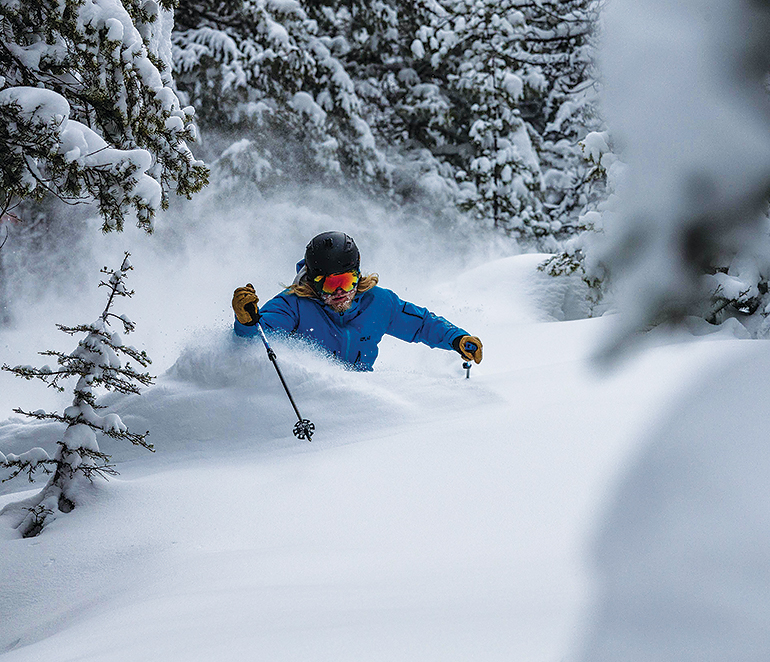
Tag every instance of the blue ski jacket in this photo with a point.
(353, 336)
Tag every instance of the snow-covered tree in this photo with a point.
(95, 362)
(467, 46)
(507, 103)
(88, 109)
(261, 72)
(686, 96)
(372, 41)
(721, 275)
(690, 233)
(475, 102)
(582, 253)
(739, 287)
(560, 50)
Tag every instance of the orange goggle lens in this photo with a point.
(330, 284)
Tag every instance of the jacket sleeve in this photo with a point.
(278, 314)
(417, 324)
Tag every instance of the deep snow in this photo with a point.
(431, 518)
(682, 558)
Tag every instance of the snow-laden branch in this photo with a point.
(87, 107)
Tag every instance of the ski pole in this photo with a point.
(469, 347)
(303, 429)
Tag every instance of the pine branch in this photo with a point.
(96, 463)
(29, 468)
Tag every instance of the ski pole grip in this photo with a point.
(251, 309)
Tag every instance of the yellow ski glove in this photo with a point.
(469, 348)
(245, 301)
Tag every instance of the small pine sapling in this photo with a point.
(96, 363)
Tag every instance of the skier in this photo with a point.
(332, 304)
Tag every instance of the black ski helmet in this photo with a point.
(331, 253)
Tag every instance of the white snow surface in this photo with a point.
(432, 517)
(682, 556)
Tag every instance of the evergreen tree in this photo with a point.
(96, 363)
(507, 104)
(733, 284)
(470, 43)
(738, 287)
(560, 47)
(261, 72)
(372, 41)
(582, 253)
(475, 102)
(88, 110)
(376, 50)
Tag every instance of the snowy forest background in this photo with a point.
(457, 110)
(482, 118)
(619, 150)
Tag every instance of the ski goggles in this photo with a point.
(330, 284)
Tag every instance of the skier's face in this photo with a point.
(339, 300)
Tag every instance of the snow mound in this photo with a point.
(512, 291)
(224, 395)
(682, 557)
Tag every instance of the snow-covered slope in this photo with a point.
(682, 558)
(432, 517)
